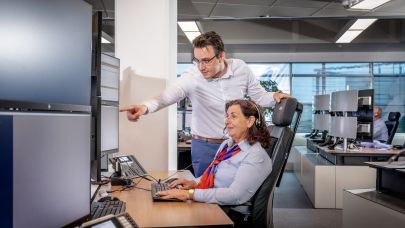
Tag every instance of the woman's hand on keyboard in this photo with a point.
(174, 194)
(183, 184)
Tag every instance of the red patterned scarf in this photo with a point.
(207, 179)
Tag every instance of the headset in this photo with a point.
(258, 121)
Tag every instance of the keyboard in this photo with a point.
(100, 209)
(156, 187)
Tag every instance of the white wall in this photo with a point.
(145, 42)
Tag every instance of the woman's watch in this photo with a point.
(191, 194)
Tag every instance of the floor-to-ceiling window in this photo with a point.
(304, 80)
(389, 89)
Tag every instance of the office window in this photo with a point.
(309, 79)
(389, 84)
(279, 73)
(181, 67)
(304, 80)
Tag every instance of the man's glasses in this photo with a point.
(204, 62)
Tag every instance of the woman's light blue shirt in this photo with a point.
(237, 178)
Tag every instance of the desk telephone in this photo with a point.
(123, 220)
(127, 167)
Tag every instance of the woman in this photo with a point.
(240, 165)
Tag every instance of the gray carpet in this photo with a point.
(292, 208)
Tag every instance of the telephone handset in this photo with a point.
(123, 220)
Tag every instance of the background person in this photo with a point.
(380, 131)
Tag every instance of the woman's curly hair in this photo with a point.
(258, 132)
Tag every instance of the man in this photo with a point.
(380, 131)
(210, 84)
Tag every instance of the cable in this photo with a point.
(176, 172)
(395, 157)
(141, 176)
(143, 188)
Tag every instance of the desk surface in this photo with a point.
(147, 213)
(184, 145)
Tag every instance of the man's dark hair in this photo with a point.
(210, 38)
(258, 132)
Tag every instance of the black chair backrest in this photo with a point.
(392, 125)
(282, 137)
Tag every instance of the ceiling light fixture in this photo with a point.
(357, 27)
(190, 28)
(363, 4)
(105, 41)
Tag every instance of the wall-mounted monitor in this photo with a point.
(45, 57)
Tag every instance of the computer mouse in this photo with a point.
(108, 198)
(170, 180)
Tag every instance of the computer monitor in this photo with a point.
(365, 115)
(45, 57)
(322, 102)
(44, 168)
(105, 104)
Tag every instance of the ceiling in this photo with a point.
(281, 25)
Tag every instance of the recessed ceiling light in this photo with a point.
(192, 35)
(188, 26)
(105, 41)
(348, 36)
(362, 24)
(368, 4)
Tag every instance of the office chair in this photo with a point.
(392, 125)
(260, 207)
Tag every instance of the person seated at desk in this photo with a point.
(240, 165)
(380, 131)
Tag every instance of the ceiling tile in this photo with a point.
(279, 11)
(335, 5)
(301, 3)
(237, 11)
(199, 10)
(338, 13)
(248, 2)
(200, 1)
(397, 6)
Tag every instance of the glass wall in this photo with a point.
(304, 80)
(389, 89)
(309, 79)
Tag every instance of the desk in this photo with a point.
(352, 157)
(324, 182)
(371, 209)
(147, 213)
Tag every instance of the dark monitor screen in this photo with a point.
(45, 52)
(365, 115)
(45, 168)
